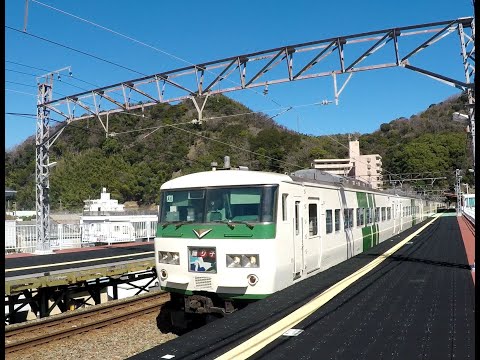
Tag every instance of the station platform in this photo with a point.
(410, 297)
(43, 285)
(66, 267)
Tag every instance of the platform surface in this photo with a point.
(417, 303)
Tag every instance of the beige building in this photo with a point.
(366, 168)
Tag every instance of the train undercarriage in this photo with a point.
(186, 312)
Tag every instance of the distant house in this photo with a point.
(104, 204)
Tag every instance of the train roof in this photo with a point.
(231, 177)
(238, 177)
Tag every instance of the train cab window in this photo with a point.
(337, 219)
(383, 214)
(377, 214)
(219, 204)
(312, 219)
(328, 222)
(284, 207)
(389, 213)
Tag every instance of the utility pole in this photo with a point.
(468, 55)
(458, 191)
(42, 161)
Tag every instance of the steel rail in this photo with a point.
(128, 312)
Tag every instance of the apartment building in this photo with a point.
(366, 168)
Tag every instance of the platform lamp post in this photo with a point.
(459, 117)
(458, 190)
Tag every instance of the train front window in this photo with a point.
(248, 204)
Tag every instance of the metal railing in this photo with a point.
(22, 238)
(469, 214)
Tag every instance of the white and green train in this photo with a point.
(228, 237)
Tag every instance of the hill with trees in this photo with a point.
(145, 150)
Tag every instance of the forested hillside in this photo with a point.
(147, 151)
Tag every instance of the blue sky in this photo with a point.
(216, 29)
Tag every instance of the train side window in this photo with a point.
(350, 217)
(360, 216)
(368, 215)
(345, 219)
(312, 219)
(337, 219)
(383, 214)
(284, 207)
(389, 213)
(377, 214)
(328, 222)
(297, 217)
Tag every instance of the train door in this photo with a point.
(312, 238)
(397, 216)
(298, 259)
(400, 215)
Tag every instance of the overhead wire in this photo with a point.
(119, 34)
(214, 140)
(61, 80)
(141, 43)
(75, 50)
(151, 47)
(21, 92)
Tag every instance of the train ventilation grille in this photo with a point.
(202, 282)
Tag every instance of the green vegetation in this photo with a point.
(134, 163)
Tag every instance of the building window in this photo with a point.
(337, 219)
(328, 224)
(312, 219)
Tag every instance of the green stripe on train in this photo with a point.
(222, 295)
(218, 231)
(371, 236)
(362, 200)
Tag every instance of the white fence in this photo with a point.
(469, 213)
(22, 238)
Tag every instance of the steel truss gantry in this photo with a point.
(315, 59)
(414, 177)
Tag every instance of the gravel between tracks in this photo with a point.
(115, 342)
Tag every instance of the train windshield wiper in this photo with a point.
(231, 223)
(176, 223)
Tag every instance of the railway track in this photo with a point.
(26, 335)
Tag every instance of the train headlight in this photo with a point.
(168, 257)
(242, 261)
(252, 279)
(163, 274)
